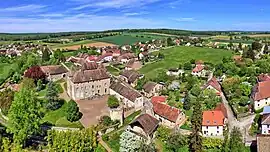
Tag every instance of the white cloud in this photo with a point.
(80, 22)
(113, 3)
(52, 15)
(24, 8)
(184, 19)
(135, 13)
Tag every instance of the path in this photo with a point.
(108, 149)
(243, 124)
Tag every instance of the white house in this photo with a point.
(213, 123)
(261, 95)
(265, 121)
(130, 97)
(199, 71)
(213, 84)
(174, 72)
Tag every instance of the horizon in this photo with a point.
(94, 15)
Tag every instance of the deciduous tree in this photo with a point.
(72, 111)
(24, 115)
(113, 102)
(35, 73)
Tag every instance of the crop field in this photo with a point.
(259, 35)
(92, 44)
(234, 41)
(175, 56)
(125, 39)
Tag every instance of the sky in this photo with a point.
(28, 16)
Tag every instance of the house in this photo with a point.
(265, 124)
(130, 97)
(54, 72)
(263, 77)
(175, 72)
(124, 58)
(152, 89)
(260, 95)
(213, 123)
(86, 83)
(130, 76)
(92, 58)
(167, 115)
(199, 71)
(143, 55)
(106, 57)
(213, 84)
(158, 99)
(144, 126)
(129, 64)
(263, 144)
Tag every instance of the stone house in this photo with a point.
(152, 89)
(130, 76)
(167, 115)
(144, 126)
(213, 123)
(260, 95)
(86, 83)
(130, 97)
(54, 72)
(263, 144)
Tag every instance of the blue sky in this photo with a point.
(93, 15)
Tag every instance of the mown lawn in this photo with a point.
(124, 39)
(5, 69)
(175, 56)
(113, 70)
(58, 118)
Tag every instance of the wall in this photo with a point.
(266, 129)
(212, 131)
(165, 121)
(261, 103)
(85, 90)
(56, 77)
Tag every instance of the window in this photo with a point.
(268, 126)
(218, 132)
(105, 90)
(98, 91)
(206, 127)
(258, 105)
(92, 86)
(217, 127)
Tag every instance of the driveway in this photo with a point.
(92, 110)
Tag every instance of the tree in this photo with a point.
(195, 90)
(39, 85)
(45, 55)
(196, 121)
(256, 46)
(28, 83)
(72, 111)
(170, 42)
(176, 141)
(59, 56)
(212, 143)
(147, 147)
(81, 140)
(161, 56)
(187, 102)
(141, 83)
(236, 142)
(16, 77)
(163, 133)
(35, 73)
(187, 66)
(106, 121)
(129, 142)
(113, 102)
(52, 96)
(6, 98)
(24, 115)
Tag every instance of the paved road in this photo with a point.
(243, 124)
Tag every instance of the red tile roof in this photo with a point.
(92, 58)
(221, 107)
(213, 118)
(261, 91)
(158, 99)
(166, 111)
(198, 68)
(214, 83)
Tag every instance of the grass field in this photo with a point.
(58, 118)
(124, 39)
(175, 56)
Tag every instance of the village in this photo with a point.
(105, 88)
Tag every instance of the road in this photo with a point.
(243, 124)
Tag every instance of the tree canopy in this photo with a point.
(113, 102)
(24, 115)
(72, 111)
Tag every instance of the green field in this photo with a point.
(124, 39)
(58, 118)
(5, 68)
(175, 56)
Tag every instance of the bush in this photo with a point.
(113, 102)
(106, 121)
(72, 111)
(163, 133)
